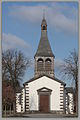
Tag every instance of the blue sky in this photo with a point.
(21, 29)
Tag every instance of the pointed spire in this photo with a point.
(44, 14)
(44, 23)
(44, 48)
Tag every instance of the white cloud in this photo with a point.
(10, 41)
(63, 23)
(29, 13)
(57, 63)
(61, 18)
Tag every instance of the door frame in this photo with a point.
(43, 91)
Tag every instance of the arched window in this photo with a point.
(40, 64)
(44, 28)
(40, 60)
(48, 64)
(48, 60)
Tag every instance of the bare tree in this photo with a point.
(14, 64)
(70, 69)
(8, 96)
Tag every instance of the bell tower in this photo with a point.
(44, 58)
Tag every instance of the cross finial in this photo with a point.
(44, 14)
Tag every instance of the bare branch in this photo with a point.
(14, 64)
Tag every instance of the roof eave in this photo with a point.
(57, 80)
(37, 55)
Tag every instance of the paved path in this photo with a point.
(48, 115)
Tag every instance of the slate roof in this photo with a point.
(19, 89)
(36, 78)
(44, 21)
(44, 48)
(70, 90)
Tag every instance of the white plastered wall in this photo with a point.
(23, 100)
(71, 107)
(48, 83)
(18, 105)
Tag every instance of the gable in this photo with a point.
(44, 89)
(50, 78)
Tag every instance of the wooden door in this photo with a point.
(44, 103)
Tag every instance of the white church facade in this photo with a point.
(44, 92)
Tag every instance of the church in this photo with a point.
(44, 93)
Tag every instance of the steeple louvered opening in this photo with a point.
(48, 64)
(44, 25)
(40, 64)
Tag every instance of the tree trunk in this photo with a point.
(14, 108)
(77, 97)
(5, 110)
(10, 109)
